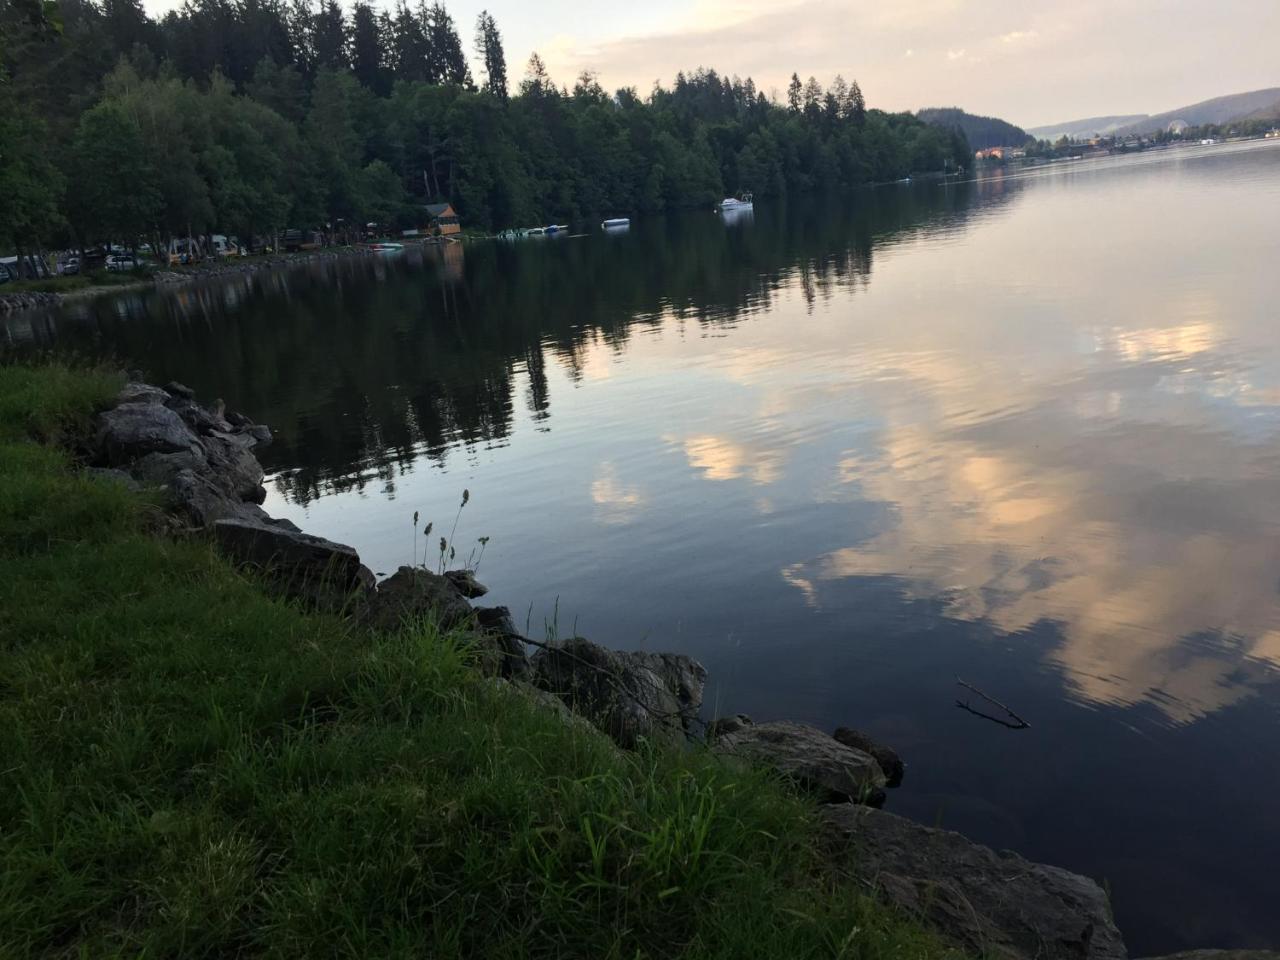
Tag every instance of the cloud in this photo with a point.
(1087, 69)
(617, 503)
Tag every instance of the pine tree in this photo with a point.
(857, 105)
(812, 98)
(408, 46)
(793, 94)
(839, 92)
(449, 63)
(329, 35)
(366, 49)
(536, 80)
(489, 46)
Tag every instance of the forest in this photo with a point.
(251, 116)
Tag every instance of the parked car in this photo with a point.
(71, 266)
(121, 262)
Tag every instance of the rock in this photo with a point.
(135, 392)
(465, 581)
(110, 475)
(808, 755)
(992, 904)
(159, 469)
(1222, 955)
(239, 420)
(308, 567)
(887, 757)
(177, 389)
(133, 430)
(628, 695)
(261, 435)
(197, 498)
(410, 594)
(234, 467)
(502, 641)
(199, 419)
(724, 725)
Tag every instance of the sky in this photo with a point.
(1031, 62)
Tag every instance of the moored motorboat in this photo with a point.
(616, 222)
(737, 203)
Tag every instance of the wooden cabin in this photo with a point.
(442, 219)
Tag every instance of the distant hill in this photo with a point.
(1236, 106)
(1254, 105)
(1089, 127)
(981, 132)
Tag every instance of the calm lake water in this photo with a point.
(1024, 431)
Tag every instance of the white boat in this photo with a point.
(616, 222)
(736, 203)
(557, 228)
(535, 231)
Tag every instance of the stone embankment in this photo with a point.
(201, 459)
(13, 302)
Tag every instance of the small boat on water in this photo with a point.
(557, 228)
(736, 203)
(616, 222)
(386, 247)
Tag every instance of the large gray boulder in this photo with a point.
(991, 904)
(198, 418)
(308, 567)
(134, 430)
(630, 696)
(501, 643)
(410, 594)
(887, 757)
(1222, 955)
(467, 584)
(135, 392)
(807, 755)
(234, 467)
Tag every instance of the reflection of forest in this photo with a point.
(361, 365)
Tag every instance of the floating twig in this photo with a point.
(1015, 723)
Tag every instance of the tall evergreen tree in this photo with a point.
(449, 63)
(536, 79)
(489, 46)
(367, 49)
(793, 93)
(408, 46)
(857, 105)
(329, 36)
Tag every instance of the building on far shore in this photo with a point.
(442, 219)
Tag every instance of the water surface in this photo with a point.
(1022, 431)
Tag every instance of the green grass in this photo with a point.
(77, 281)
(191, 768)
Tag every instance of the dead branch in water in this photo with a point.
(1017, 723)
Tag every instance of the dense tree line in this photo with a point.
(247, 116)
(981, 132)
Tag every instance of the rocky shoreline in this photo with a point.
(201, 460)
(34, 300)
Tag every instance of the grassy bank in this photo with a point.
(192, 768)
(78, 282)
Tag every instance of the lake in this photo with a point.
(1023, 431)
